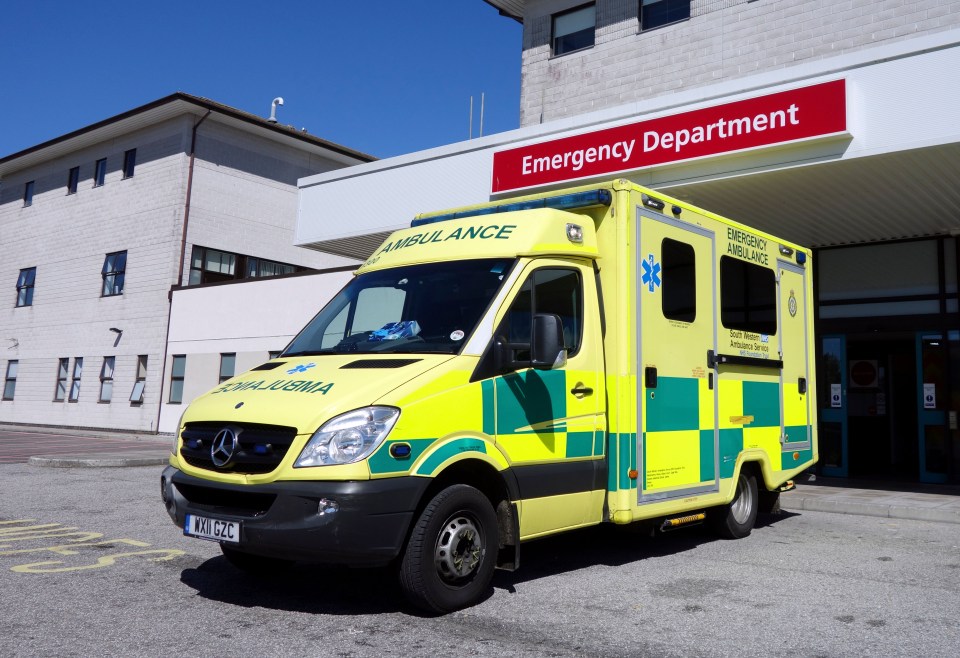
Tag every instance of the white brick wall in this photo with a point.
(724, 39)
(243, 200)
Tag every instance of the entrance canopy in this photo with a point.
(858, 148)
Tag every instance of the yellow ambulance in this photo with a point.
(507, 371)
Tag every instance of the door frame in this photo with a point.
(832, 414)
(643, 214)
(927, 417)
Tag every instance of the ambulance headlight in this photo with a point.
(348, 438)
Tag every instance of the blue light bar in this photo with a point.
(562, 202)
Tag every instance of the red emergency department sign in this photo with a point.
(788, 116)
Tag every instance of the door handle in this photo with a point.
(579, 390)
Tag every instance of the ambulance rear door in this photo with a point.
(677, 445)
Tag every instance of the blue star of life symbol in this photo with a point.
(651, 273)
(300, 368)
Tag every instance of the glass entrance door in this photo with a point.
(832, 398)
(932, 404)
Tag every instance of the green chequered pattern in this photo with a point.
(623, 447)
(598, 443)
(530, 397)
(788, 462)
(383, 462)
(762, 401)
(797, 434)
(579, 444)
(489, 408)
(707, 469)
(448, 450)
(731, 443)
(673, 405)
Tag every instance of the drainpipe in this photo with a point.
(183, 251)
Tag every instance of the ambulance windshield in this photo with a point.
(414, 309)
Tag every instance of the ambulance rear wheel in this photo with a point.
(736, 520)
(449, 559)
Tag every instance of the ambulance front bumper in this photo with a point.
(361, 523)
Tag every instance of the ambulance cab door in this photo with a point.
(677, 443)
(550, 422)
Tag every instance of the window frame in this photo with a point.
(10, 381)
(100, 172)
(75, 380)
(748, 293)
(642, 3)
(175, 378)
(113, 274)
(28, 190)
(225, 359)
(106, 379)
(140, 380)
(530, 280)
(667, 272)
(26, 282)
(567, 12)
(63, 372)
(129, 163)
(73, 180)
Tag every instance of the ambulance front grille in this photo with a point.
(260, 448)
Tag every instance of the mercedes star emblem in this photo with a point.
(224, 446)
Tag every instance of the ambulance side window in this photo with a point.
(748, 296)
(679, 275)
(548, 290)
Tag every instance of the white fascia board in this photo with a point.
(887, 91)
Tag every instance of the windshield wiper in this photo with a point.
(288, 355)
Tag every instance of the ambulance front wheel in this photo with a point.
(449, 559)
(736, 520)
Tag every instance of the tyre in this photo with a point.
(449, 559)
(769, 501)
(736, 520)
(259, 565)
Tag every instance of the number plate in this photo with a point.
(212, 529)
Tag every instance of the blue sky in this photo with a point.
(382, 76)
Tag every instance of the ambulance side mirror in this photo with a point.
(546, 347)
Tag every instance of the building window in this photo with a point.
(25, 286)
(63, 368)
(73, 179)
(10, 383)
(106, 378)
(75, 380)
(574, 29)
(129, 162)
(114, 272)
(176, 378)
(228, 366)
(100, 172)
(136, 395)
(656, 13)
(28, 194)
(212, 266)
(679, 276)
(748, 297)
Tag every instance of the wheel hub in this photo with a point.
(459, 548)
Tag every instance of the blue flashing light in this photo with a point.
(801, 258)
(561, 202)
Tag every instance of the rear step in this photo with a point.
(681, 521)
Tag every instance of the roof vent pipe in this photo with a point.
(273, 109)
